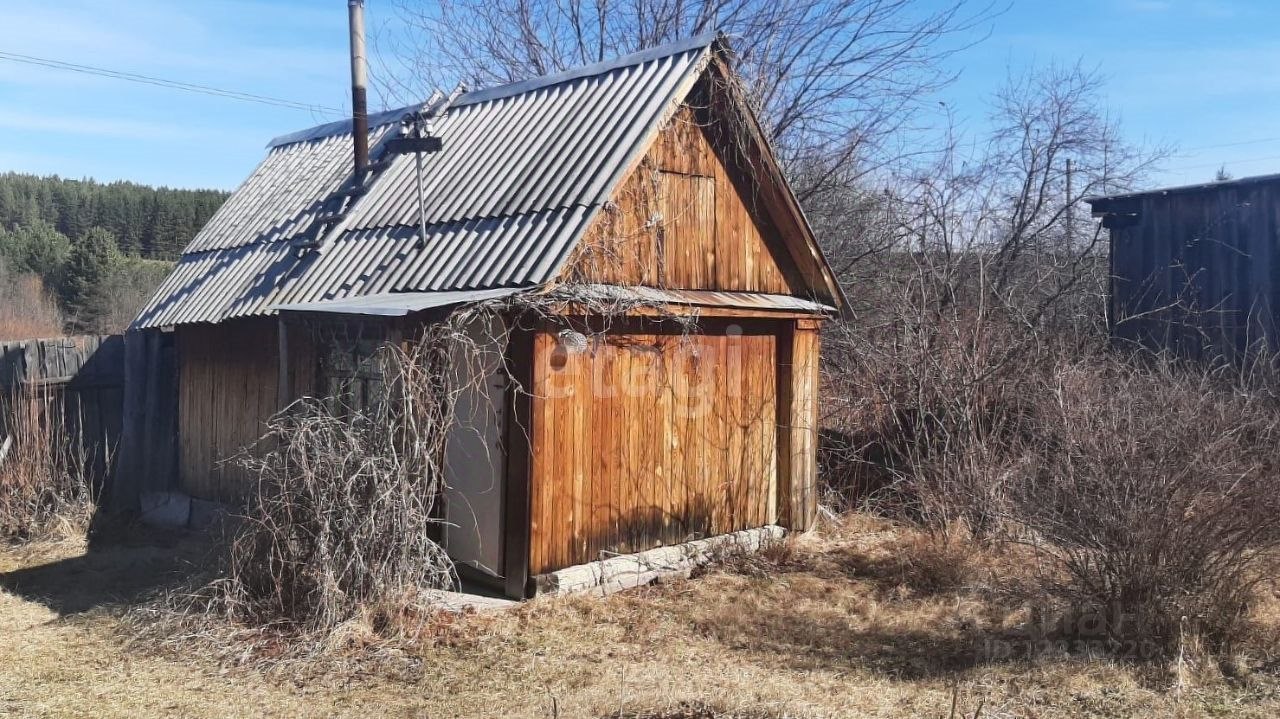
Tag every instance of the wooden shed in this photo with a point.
(644, 182)
(1195, 269)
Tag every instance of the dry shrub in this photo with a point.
(345, 513)
(27, 309)
(932, 413)
(45, 483)
(1145, 487)
(1151, 494)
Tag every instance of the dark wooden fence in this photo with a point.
(86, 373)
(120, 396)
(148, 457)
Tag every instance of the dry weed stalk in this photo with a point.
(45, 483)
(345, 513)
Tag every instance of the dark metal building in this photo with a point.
(1194, 269)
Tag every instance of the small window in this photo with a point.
(350, 376)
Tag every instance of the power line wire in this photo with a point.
(1257, 141)
(1224, 164)
(161, 82)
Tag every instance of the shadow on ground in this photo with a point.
(820, 643)
(127, 570)
(904, 612)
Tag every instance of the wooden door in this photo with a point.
(650, 439)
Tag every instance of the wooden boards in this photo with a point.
(227, 388)
(86, 374)
(681, 221)
(798, 356)
(650, 438)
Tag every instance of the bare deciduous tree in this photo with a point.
(831, 81)
(1002, 214)
(27, 308)
(971, 275)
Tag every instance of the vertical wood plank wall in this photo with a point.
(682, 220)
(85, 374)
(650, 438)
(617, 472)
(798, 356)
(228, 380)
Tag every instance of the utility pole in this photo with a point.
(1071, 215)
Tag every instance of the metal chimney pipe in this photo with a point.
(359, 83)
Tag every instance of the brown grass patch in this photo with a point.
(698, 710)
(811, 635)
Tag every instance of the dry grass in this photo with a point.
(27, 309)
(828, 626)
(45, 487)
(695, 710)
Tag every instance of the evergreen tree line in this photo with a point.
(89, 281)
(148, 222)
(98, 249)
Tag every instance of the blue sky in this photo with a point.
(1198, 74)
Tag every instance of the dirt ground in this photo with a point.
(833, 627)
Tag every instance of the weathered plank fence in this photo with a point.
(120, 397)
(86, 373)
(148, 456)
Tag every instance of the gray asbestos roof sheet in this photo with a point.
(522, 171)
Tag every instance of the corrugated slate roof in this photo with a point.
(553, 147)
(522, 171)
(1215, 186)
(283, 196)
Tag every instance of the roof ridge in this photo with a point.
(1181, 189)
(498, 92)
(598, 68)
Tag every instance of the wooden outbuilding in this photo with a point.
(1195, 270)
(644, 184)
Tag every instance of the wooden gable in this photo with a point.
(687, 217)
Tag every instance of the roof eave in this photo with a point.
(1184, 189)
(790, 201)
